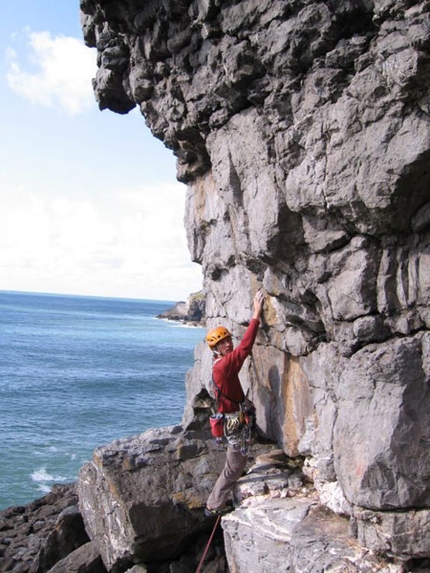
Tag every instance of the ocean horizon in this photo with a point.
(77, 372)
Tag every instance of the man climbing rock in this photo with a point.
(238, 412)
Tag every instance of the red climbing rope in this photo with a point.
(199, 568)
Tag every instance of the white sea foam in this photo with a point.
(44, 488)
(178, 324)
(42, 477)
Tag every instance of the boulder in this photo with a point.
(67, 535)
(84, 559)
(142, 498)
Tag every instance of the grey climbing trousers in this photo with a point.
(233, 468)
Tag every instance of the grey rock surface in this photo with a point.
(295, 535)
(302, 130)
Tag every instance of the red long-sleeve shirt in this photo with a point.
(225, 371)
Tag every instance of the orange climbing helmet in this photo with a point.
(216, 334)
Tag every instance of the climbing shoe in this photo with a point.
(216, 512)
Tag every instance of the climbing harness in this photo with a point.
(200, 565)
(237, 427)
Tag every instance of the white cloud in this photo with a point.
(134, 244)
(62, 71)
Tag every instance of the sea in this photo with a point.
(80, 372)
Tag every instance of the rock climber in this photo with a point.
(231, 401)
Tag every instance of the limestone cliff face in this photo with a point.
(302, 130)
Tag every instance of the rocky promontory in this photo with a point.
(302, 131)
(190, 312)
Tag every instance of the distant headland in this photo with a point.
(191, 311)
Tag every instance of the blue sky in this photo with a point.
(89, 202)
